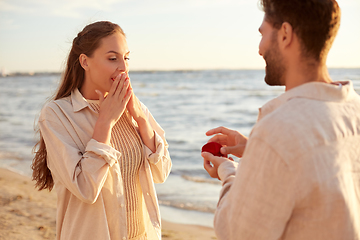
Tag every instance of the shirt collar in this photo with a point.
(78, 101)
(335, 92)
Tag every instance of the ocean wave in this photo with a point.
(10, 155)
(170, 141)
(201, 179)
(195, 175)
(189, 206)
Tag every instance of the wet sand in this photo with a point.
(26, 213)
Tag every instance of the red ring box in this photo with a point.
(214, 148)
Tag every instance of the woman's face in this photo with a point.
(108, 60)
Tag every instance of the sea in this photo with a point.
(185, 103)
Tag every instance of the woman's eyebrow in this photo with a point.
(112, 51)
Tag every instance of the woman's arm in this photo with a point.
(160, 162)
(81, 169)
(153, 137)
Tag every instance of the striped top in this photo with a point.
(126, 140)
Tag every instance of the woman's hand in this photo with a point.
(234, 142)
(112, 106)
(134, 108)
(146, 131)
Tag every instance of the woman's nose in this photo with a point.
(123, 67)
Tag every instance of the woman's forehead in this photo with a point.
(115, 43)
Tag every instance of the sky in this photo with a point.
(36, 35)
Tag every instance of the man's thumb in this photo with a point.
(234, 150)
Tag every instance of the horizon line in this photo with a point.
(17, 73)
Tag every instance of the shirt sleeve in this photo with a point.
(82, 172)
(154, 157)
(160, 162)
(257, 201)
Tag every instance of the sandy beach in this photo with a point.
(26, 213)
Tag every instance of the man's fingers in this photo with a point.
(212, 163)
(206, 155)
(212, 171)
(207, 165)
(213, 131)
(216, 161)
(217, 130)
(219, 138)
(234, 150)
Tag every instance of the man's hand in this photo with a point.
(215, 161)
(233, 142)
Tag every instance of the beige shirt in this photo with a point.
(299, 177)
(87, 175)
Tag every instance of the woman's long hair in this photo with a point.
(86, 42)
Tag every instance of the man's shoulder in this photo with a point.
(302, 124)
(288, 116)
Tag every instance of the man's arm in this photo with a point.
(257, 201)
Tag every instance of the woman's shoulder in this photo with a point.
(65, 101)
(54, 107)
(58, 103)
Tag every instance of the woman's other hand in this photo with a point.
(146, 131)
(134, 107)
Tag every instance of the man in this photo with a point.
(299, 173)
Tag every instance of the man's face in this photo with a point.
(269, 49)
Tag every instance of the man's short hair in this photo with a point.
(315, 22)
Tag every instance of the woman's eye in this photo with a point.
(112, 59)
(127, 58)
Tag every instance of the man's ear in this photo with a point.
(285, 34)
(83, 61)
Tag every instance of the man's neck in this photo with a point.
(298, 74)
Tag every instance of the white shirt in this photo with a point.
(299, 177)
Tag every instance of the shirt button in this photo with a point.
(147, 194)
(122, 205)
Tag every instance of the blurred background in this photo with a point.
(36, 35)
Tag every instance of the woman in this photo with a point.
(99, 146)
